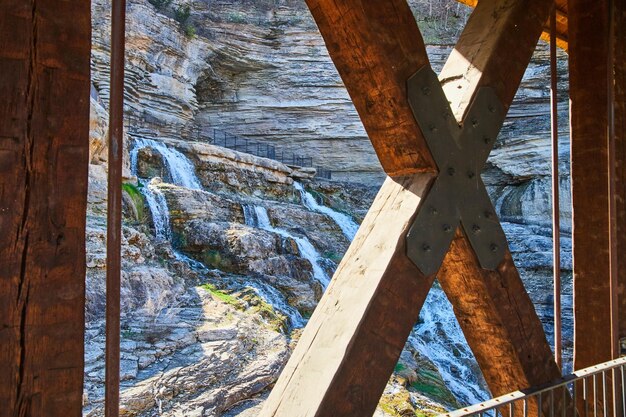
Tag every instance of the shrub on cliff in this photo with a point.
(182, 13)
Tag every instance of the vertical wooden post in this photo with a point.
(620, 152)
(44, 147)
(588, 28)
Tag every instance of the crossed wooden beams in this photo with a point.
(353, 340)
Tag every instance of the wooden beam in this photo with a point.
(588, 25)
(44, 146)
(498, 320)
(494, 49)
(349, 347)
(376, 46)
(620, 157)
(493, 308)
(356, 334)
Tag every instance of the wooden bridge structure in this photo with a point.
(431, 218)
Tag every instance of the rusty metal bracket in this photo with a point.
(458, 195)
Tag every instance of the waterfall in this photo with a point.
(249, 215)
(182, 172)
(307, 250)
(158, 209)
(180, 168)
(345, 223)
(439, 338)
(277, 300)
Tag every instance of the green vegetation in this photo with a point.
(399, 367)
(247, 300)
(190, 31)
(137, 199)
(182, 14)
(223, 296)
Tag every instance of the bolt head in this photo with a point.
(471, 174)
(474, 122)
(476, 228)
(432, 128)
(451, 171)
(426, 247)
(493, 247)
(446, 228)
(487, 140)
(426, 90)
(433, 210)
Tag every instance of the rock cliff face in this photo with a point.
(223, 258)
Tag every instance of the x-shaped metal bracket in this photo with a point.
(458, 194)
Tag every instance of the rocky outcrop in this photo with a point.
(209, 314)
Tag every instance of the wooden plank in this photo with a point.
(354, 338)
(44, 130)
(376, 46)
(589, 167)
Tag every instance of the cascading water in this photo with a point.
(249, 215)
(180, 168)
(345, 223)
(307, 250)
(183, 174)
(439, 338)
(277, 300)
(158, 208)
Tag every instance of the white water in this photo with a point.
(307, 250)
(439, 338)
(345, 223)
(183, 174)
(277, 300)
(180, 168)
(158, 208)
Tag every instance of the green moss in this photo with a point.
(247, 300)
(223, 296)
(399, 367)
(137, 198)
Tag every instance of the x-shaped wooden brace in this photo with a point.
(458, 193)
(353, 340)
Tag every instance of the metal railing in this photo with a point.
(597, 391)
(144, 122)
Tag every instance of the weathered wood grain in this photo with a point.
(353, 340)
(589, 169)
(44, 130)
(376, 46)
(620, 157)
(493, 49)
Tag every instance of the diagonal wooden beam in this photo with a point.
(376, 46)
(493, 308)
(349, 348)
(351, 344)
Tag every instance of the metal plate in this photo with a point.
(458, 195)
